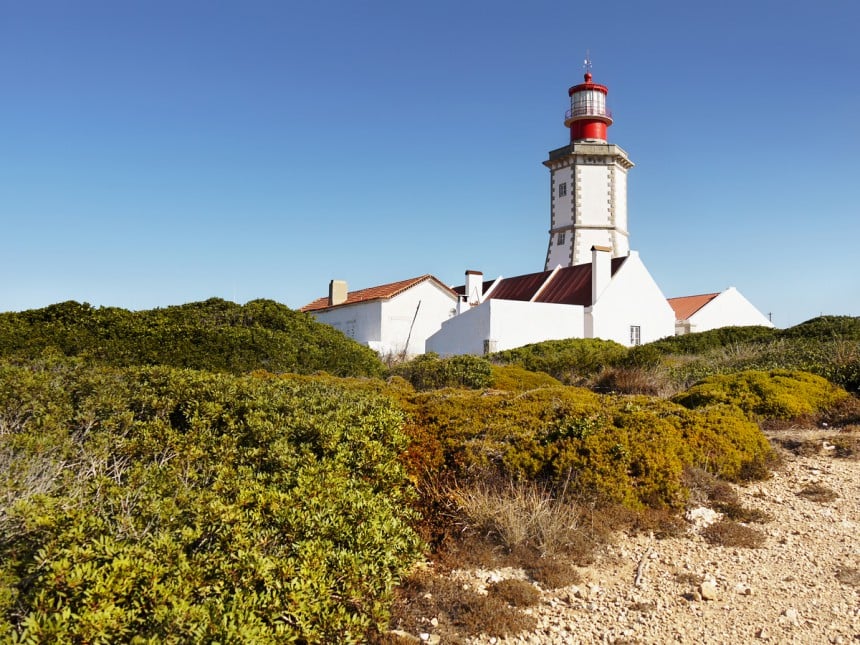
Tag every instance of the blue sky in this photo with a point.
(155, 153)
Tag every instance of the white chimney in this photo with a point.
(474, 287)
(337, 292)
(601, 270)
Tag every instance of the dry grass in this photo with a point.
(847, 445)
(732, 534)
(818, 493)
(651, 381)
(520, 514)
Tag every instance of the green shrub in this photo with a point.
(826, 328)
(214, 335)
(775, 394)
(194, 507)
(569, 361)
(429, 372)
(701, 342)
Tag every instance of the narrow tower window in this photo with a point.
(635, 335)
(562, 189)
(560, 238)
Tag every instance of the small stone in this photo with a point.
(434, 639)
(762, 634)
(434, 621)
(702, 516)
(708, 590)
(791, 615)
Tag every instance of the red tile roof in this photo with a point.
(686, 306)
(381, 292)
(569, 286)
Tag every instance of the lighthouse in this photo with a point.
(588, 182)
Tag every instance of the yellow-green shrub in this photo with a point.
(776, 394)
(516, 378)
(629, 450)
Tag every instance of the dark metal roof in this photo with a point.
(521, 287)
(569, 286)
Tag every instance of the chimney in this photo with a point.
(601, 270)
(336, 292)
(474, 287)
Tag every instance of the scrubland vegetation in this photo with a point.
(216, 472)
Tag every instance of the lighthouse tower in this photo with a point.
(588, 183)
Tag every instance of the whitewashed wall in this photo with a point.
(632, 298)
(361, 321)
(506, 324)
(730, 308)
(437, 306)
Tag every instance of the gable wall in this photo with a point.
(632, 298)
(437, 305)
(730, 308)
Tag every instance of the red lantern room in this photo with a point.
(588, 117)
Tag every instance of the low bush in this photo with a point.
(729, 533)
(778, 394)
(515, 378)
(818, 493)
(554, 572)
(182, 506)
(826, 328)
(460, 611)
(429, 372)
(629, 450)
(570, 361)
(213, 335)
(517, 593)
(702, 342)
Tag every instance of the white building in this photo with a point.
(609, 298)
(599, 288)
(713, 310)
(393, 319)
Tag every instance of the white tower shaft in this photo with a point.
(588, 180)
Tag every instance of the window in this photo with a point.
(635, 335)
(562, 189)
(560, 240)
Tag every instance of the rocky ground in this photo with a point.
(801, 586)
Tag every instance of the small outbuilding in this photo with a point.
(393, 319)
(707, 311)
